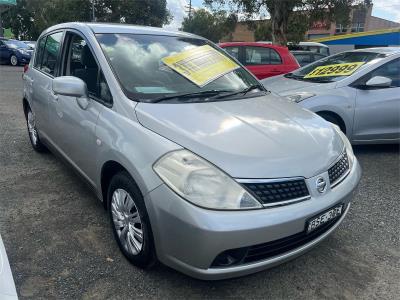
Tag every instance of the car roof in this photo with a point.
(383, 50)
(120, 28)
(303, 52)
(312, 44)
(255, 44)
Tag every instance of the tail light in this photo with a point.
(26, 67)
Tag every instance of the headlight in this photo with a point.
(347, 144)
(22, 51)
(201, 183)
(300, 96)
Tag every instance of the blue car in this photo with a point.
(14, 52)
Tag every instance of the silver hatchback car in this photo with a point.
(198, 165)
(357, 90)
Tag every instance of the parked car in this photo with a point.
(306, 57)
(31, 44)
(364, 101)
(262, 59)
(7, 286)
(14, 52)
(310, 46)
(211, 175)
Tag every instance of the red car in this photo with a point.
(262, 59)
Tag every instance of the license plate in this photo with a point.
(323, 218)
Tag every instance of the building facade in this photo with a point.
(361, 21)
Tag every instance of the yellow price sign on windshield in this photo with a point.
(345, 69)
(201, 65)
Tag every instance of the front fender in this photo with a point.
(133, 146)
(342, 104)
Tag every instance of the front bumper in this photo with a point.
(23, 59)
(189, 238)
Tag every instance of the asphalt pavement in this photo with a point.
(60, 243)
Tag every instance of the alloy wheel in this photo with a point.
(127, 221)
(32, 128)
(14, 60)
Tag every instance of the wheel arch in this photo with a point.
(25, 105)
(108, 171)
(336, 116)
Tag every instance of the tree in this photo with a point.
(298, 14)
(212, 26)
(30, 17)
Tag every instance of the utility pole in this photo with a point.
(93, 15)
(189, 8)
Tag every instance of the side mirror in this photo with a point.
(379, 81)
(74, 87)
(70, 86)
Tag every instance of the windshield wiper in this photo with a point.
(244, 91)
(189, 95)
(313, 79)
(294, 76)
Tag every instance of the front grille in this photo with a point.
(339, 170)
(251, 254)
(270, 249)
(271, 193)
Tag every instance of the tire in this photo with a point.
(14, 60)
(334, 120)
(130, 221)
(33, 133)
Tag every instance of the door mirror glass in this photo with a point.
(379, 81)
(70, 86)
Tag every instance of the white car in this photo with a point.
(357, 90)
(7, 287)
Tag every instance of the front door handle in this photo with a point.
(54, 96)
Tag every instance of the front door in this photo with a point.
(377, 112)
(74, 125)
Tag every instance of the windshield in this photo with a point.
(359, 59)
(16, 44)
(137, 61)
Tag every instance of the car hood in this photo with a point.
(7, 287)
(287, 86)
(262, 137)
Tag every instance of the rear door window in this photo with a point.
(39, 52)
(261, 56)
(51, 53)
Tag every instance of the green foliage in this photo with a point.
(263, 31)
(212, 26)
(290, 19)
(30, 17)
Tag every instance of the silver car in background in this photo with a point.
(216, 180)
(364, 104)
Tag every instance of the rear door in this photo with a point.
(74, 126)
(263, 62)
(39, 79)
(377, 112)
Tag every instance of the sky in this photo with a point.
(386, 9)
